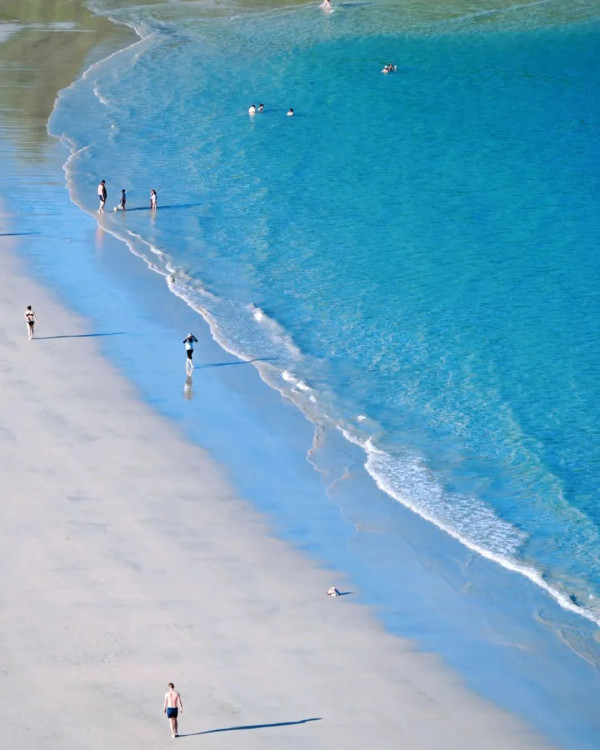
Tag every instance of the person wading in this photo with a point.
(189, 342)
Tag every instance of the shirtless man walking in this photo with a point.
(102, 195)
(31, 320)
(172, 707)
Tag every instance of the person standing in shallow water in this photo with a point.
(189, 342)
(31, 320)
(153, 199)
(102, 194)
(172, 706)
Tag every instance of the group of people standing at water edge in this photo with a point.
(121, 205)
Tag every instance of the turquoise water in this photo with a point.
(412, 256)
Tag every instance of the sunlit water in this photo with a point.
(414, 255)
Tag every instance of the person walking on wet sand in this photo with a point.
(189, 342)
(171, 707)
(102, 194)
(31, 320)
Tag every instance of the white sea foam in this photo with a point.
(275, 330)
(257, 313)
(101, 98)
(406, 479)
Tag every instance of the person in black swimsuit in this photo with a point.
(31, 320)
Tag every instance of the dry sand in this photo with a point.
(128, 563)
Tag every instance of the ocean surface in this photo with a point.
(414, 256)
(411, 260)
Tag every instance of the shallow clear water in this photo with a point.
(411, 256)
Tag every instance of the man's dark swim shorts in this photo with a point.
(171, 713)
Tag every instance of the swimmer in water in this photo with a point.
(251, 110)
(290, 112)
(261, 108)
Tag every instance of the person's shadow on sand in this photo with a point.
(79, 335)
(228, 364)
(251, 726)
(163, 208)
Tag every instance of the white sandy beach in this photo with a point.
(128, 563)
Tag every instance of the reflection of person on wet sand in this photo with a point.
(188, 393)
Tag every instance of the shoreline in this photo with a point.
(120, 349)
(131, 563)
(295, 389)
